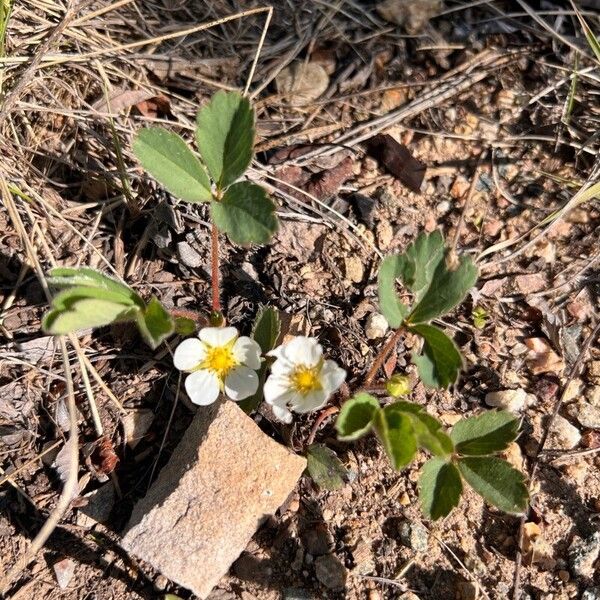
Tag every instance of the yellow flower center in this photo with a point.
(306, 379)
(221, 360)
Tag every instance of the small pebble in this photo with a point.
(414, 535)
(563, 435)
(591, 594)
(511, 400)
(587, 415)
(376, 326)
(331, 572)
(583, 553)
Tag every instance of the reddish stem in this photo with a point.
(380, 358)
(214, 261)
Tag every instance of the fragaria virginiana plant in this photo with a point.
(467, 453)
(295, 376)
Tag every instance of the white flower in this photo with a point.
(301, 380)
(219, 361)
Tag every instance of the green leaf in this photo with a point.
(419, 262)
(441, 362)
(496, 481)
(325, 467)
(356, 417)
(166, 156)
(267, 328)
(440, 488)
(155, 323)
(389, 303)
(185, 326)
(446, 290)
(225, 135)
(246, 214)
(85, 312)
(86, 277)
(427, 429)
(395, 430)
(490, 432)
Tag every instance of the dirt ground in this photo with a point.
(482, 94)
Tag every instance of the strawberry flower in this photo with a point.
(300, 380)
(218, 361)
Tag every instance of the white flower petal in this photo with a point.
(240, 383)
(218, 336)
(283, 414)
(247, 352)
(202, 387)
(189, 354)
(303, 351)
(277, 390)
(312, 401)
(282, 367)
(332, 376)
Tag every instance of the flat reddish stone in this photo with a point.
(223, 479)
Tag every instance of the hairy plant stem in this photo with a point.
(214, 262)
(380, 358)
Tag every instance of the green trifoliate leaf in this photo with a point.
(428, 430)
(446, 290)
(440, 488)
(496, 481)
(396, 432)
(85, 307)
(67, 277)
(419, 262)
(398, 385)
(356, 417)
(325, 467)
(490, 432)
(389, 303)
(155, 323)
(441, 362)
(246, 214)
(166, 156)
(267, 328)
(225, 135)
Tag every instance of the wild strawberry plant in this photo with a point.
(468, 452)
(295, 376)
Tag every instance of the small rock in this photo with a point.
(583, 553)
(593, 395)
(221, 481)
(542, 358)
(99, 505)
(414, 535)
(573, 390)
(409, 596)
(376, 326)
(594, 370)
(512, 400)
(64, 571)
(331, 572)
(385, 234)
(443, 207)
(317, 540)
(302, 82)
(354, 268)
(468, 590)
(392, 99)
(591, 594)
(587, 415)
(563, 435)
(530, 283)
